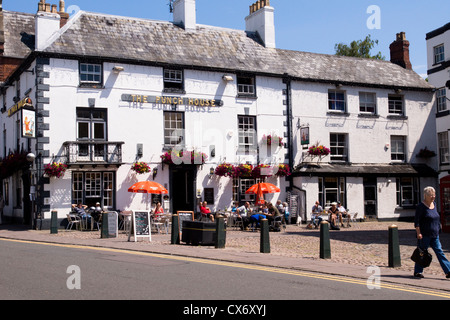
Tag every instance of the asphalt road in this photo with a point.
(49, 272)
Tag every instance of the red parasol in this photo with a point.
(148, 187)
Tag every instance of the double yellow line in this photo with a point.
(382, 285)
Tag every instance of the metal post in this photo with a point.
(220, 233)
(105, 227)
(175, 236)
(264, 241)
(394, 248)
(54, 222)
(325, 248)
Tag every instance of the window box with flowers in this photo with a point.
(269, 139)
(140, 167)
(55, 169)
(318, 151)
(224, 170)
(242, 171)
(184, 157)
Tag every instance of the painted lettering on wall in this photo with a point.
(196, 102)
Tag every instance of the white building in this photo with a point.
(109, 91)
(438, 52)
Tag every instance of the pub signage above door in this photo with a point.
(192, 102)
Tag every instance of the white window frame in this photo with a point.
(174, 131)
(367, 101)
(247, 132)
(444, 154)
(398, 149)
(339, 147)
(441, 99)
(335, 103)
(94, 74)
(396, 104)
(439, 54)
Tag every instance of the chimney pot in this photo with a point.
(400, 51)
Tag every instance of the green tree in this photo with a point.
(359, 48)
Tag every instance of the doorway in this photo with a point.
(370, 197)
(183, 181)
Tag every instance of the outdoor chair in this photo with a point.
(72, 220)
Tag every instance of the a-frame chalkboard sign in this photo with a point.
(140, 225)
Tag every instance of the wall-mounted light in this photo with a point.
(155, 172)
(118, 69)
(211, 172)
(227, 78)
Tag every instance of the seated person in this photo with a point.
(158, 210)
(316, 211)
(273, 212)
(334, 213)
(243, 214)
(206, 212)
(255, 218)
(97, 213)
(80, 210)
(343, 214)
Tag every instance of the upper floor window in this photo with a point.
(367, 102)
(173, 129)
(338, 147)
(247, 132)
(441, 98)
(173, 80)
(90, 73)
(396, 105)
(246, 86)
(336, 100)
(439, 55)
(398, 148)
(444, 155)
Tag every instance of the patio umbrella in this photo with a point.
(148, 187)
(260, 189)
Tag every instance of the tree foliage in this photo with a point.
(359, 48)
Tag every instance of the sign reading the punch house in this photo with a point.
(192, 102)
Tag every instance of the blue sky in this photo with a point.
(312, 26)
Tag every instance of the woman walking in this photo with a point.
(427, 223)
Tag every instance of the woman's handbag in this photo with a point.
(422, 257)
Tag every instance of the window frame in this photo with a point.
(247, 131)
(441, 99)
(396, 155)
(97, 191)
(173, 84)
(363, 103)
(333, 102)
(168, 132)
(439, 53)
(443, 145)
(394, 101)
(246, 85)
(402, 184)
(339, 145)
(94, 82)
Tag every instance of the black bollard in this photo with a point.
(175, 236)
(105, 228)
(394, 248)
(220, 233)
(54, 222)
(264, 246)
(325, 248)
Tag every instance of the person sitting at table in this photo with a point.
(97, 212)
(334, 213)
(80, 209)
(316, 219)
(273, 212)
(255, 219)
(243, 214)
(205, 211)
(343, 214)
(158, 210)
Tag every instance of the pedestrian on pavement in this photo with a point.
(427, 223)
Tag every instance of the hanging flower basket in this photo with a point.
(13, 163)
(269, 139)
(140, 167)
(55, 169)
(283, 170)
(185, 157)
(262, 171)
(224, 170)
(242, 171)
(318, 151)
(425, 153)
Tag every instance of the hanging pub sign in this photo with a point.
(28, 123)
(191, 102)
(24, 103)
(304, 135)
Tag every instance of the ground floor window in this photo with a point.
(91, 187)
(331, 189)
(240, 185)
(407, 192)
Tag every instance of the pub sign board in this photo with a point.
(140, 225)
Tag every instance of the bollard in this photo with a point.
(175, 236)
(220, 233)
(54, 222)
(325, 248)
(105, 229)
(264, 246)
(394, 248)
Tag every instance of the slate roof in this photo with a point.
(163, 43)
(19, 34)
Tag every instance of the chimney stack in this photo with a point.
(261, 20)
(184, 14)
(63, 14)
(400, 51)
(47, 24)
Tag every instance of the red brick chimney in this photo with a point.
(62, 12)
(400, 51)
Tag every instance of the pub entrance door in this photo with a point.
(445, 204)
(183, 181)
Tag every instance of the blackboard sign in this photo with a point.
(140, 221)
(113, 227)
(184, 216)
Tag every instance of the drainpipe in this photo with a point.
(290, 136)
